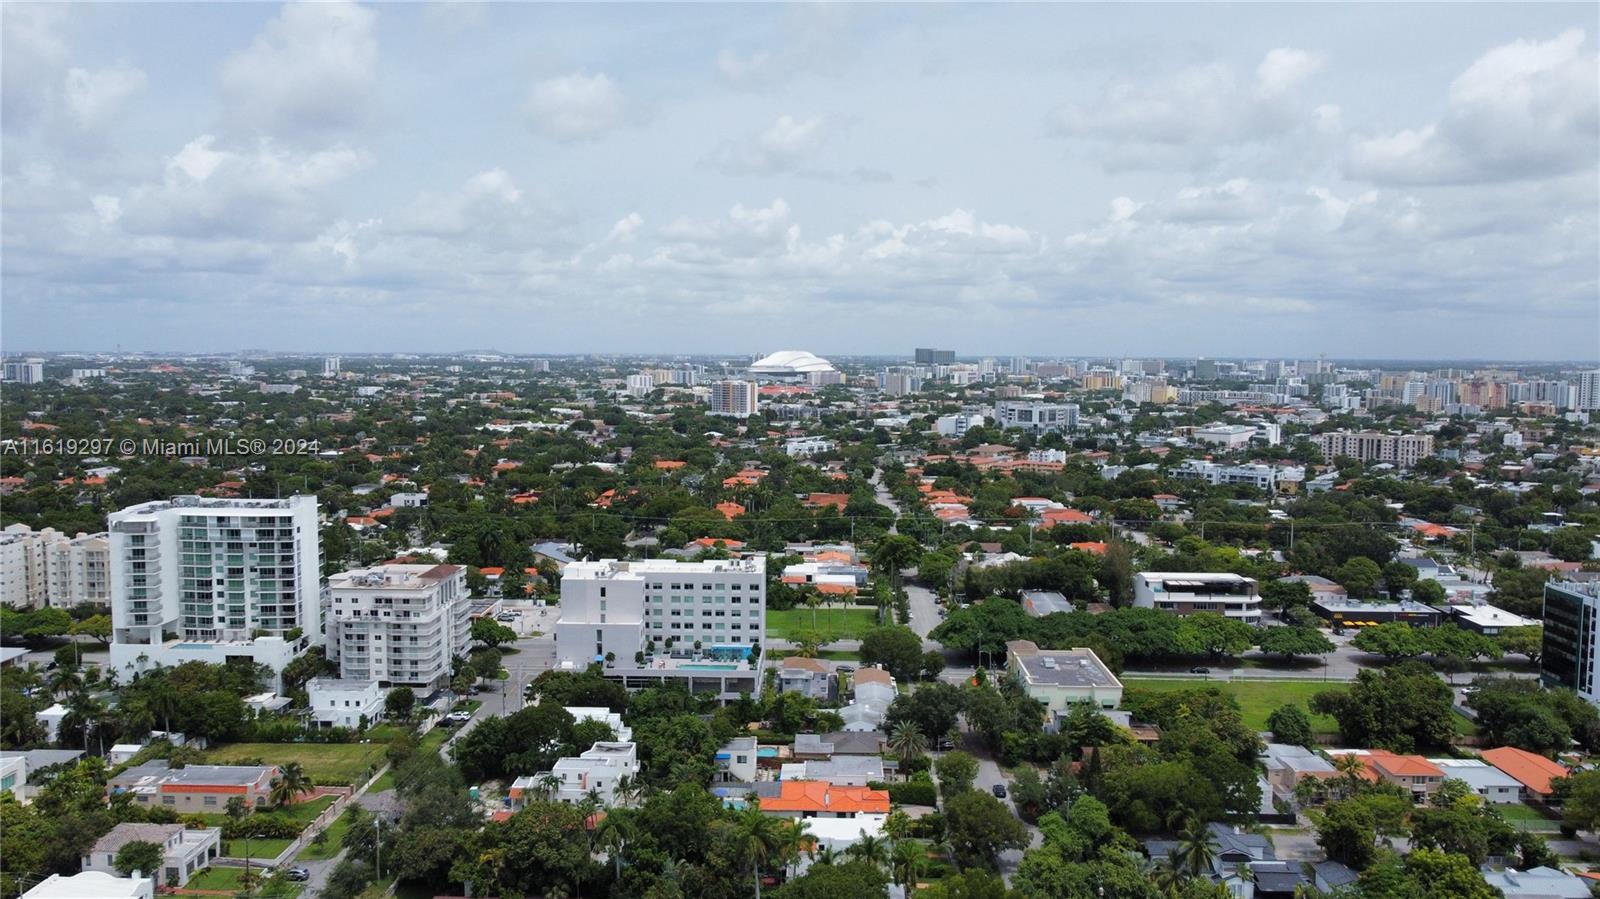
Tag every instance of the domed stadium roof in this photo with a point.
(790, 362)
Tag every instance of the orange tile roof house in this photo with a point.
(820, 799)
(195, 788)
(836, 500)
(730, 510)
(1412, 772)
(1532, 771)
(670, 464)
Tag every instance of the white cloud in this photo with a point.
(267, 193)
(574, 107)
(626, 228)
(1284, 68)
(1524, 110)
(95, 96)
(31, 52)
(785, 146)
(311, 73)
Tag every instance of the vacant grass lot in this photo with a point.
(832, 655)
(228, 879)
(847, 623)
(330, 847)
(1258, 698)
(327, 763)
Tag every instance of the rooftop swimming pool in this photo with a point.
(710, 666)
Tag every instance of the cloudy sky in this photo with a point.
(1416, 181)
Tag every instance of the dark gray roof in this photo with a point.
(1335, 874)
(866, 742)
(43, 758)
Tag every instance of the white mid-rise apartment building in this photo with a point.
(1036, 416)
(808, 446)
(399, 625)
(1255, 475)
(22, 573)
(331, 366)
(734, 398)
(198, 579)
(650, 620)
(641, 385)
(1404, 450)
(77, 570)
(1588, 399)
(1186, 593)
(28, 372)
(1226, 436)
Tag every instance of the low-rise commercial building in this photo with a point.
(1062, 678)
(1186, 593)
(1341, 611)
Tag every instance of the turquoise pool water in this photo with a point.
(711, 666)
(767, 752)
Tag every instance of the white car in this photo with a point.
(458, 717)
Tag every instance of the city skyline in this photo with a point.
(1393, 182)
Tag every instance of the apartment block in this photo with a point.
(1036, 416)
(1257, 475)
(734, 398)
(1571, 630)
(650, 620)
(1404, 450)
(399, 625)
(198, 579)
(1186, 593)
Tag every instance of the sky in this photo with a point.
(1404, 181)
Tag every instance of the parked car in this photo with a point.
(999, 791)
(1199, 669)
(461, 717)
(298, 875)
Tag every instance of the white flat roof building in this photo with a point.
(1185, 593)
(92, 885)
(1225, 436)
(218, 573)
(642, 621)
(399, 625)
(337, 702)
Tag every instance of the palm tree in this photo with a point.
(85, 715)
(615, 833)
(870, 849)
(1167, 876)
(628, 790)
(756, 839)
(163, 703)
(907, 743)
(812, 602)
(289, 784)
(65, 679)
(907, 863)
(797, 841)
(1197, 848)
(824, 855)
(1352, 767)
(548, 785)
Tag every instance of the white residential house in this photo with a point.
(340, 702)
(623, 732)
(874, 691)
(184, 851)
(597, 770)
(808, 677)
(93, 885)
(737, 760)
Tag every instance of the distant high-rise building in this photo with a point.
(1588, 391)
(197, 579)
(640, 385)
(734, 398)
(927, 356)
(28, 372)
(899, 381)
(1404, 450)
(539, 365)
(1205, 370)
(330, 367)
(1035, 417)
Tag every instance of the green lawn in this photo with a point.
(330, 848)
(340, 763)
(303, 812)
(384, 782)
(220, 878)
(258, 848)
(832, 655)
(832, 624)
(1524, 818)
(1258, 698)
